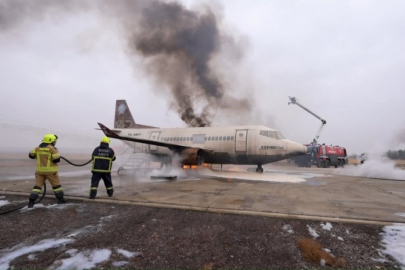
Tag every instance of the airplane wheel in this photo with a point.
(259, 170)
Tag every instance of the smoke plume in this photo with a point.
(178, 45)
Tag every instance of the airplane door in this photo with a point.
(154, 136)
(241, 140)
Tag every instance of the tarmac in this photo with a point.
(283, 190)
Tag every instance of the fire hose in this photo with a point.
(43, 195)
(38, 200)
(77, 165)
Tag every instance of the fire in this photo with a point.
(186, 167)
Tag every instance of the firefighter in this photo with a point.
(47, 157)
(103, 157)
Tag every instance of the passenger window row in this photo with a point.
(206, 138)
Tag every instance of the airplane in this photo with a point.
(241, 145)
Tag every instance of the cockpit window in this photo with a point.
(269, 133)
(279, 135)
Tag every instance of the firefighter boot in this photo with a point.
(110, 192)
(60, 198)
(32, 198)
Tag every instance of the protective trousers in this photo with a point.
(40, 179)
(95, 179)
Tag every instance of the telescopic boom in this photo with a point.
(294, 100)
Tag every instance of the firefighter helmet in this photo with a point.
(49, 138)
(105, 139)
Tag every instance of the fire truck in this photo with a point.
(322, 156)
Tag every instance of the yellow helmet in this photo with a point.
(49, 138)
(105, 139)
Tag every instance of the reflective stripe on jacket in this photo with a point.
(103, 156)
(45, 155)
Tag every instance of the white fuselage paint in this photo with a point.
(242, 144)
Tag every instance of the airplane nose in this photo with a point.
(296, 149)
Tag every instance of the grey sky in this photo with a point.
(342, 59)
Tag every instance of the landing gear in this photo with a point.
(200, 158)
(259, 169)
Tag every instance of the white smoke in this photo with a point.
(377, 164)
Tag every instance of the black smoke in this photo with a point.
(178, 45)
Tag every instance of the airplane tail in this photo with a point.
(123, 117)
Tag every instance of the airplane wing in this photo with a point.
(172, 146)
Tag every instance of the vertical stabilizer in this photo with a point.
(123, 116)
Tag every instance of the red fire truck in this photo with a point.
(323, 156)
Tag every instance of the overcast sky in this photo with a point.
(344, 60)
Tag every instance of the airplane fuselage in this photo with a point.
(228, 145)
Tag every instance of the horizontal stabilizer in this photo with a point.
(114, 130)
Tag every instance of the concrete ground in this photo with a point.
(283, 190)
(273, 214)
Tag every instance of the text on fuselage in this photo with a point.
(265, 147)
(133, 134)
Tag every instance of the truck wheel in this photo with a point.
(327, 164)
(320, 164)
(337, 164)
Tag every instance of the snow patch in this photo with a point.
(340, 238)
(380, 260)
(127, 253)
(288, 228)
(119, 264)
(83, 230)
(323, 262)
(31, 257)
(312, 232)
(72, 251)
(327, 226)
(4, 202)
(108, 218)
(394, 242)
(84, 260)
(50, 206)
(18, 251)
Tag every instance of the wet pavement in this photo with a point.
(281, 191)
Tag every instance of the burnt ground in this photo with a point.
(169, 238)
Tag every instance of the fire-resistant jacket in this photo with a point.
(103, 156)
(47, 156)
